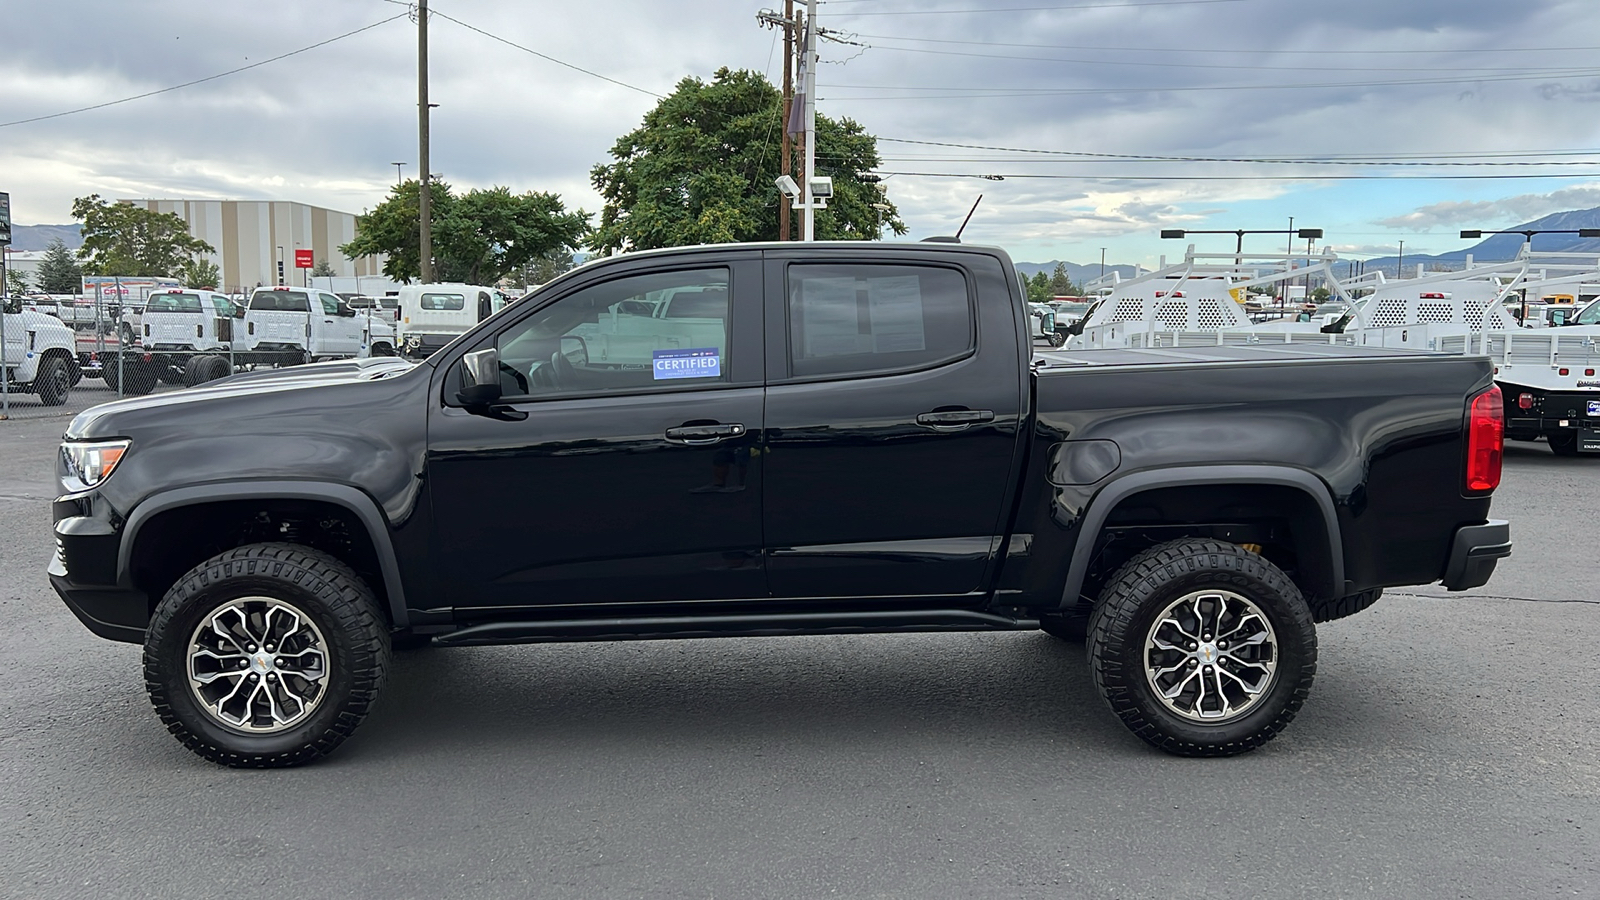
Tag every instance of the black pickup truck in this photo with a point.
(764, 440)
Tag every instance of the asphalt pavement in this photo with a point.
(1448, 750)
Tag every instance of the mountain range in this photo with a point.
(38, 237)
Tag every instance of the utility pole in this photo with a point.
(784, 165)
(809, 71)
(425, 194)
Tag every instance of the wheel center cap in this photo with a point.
(1207, 653)
(261, 663)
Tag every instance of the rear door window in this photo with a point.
(874, 319)
(442, 301)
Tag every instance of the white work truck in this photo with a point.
(38, 352)
(193, 336)
(432, 315)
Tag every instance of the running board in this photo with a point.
(618, 629)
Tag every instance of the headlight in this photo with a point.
(89, 464)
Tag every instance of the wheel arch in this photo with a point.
(1328, 580)
(361, 507)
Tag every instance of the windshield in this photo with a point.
(281, 301)
(1589, 316)
(442, 301)
(173, 303)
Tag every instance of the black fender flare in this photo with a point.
(1107, 498)
(352, 499)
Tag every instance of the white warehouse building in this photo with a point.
(252, 236)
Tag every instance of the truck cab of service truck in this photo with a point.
(314, 322)
(39, 352)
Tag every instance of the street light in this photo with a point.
(1399, 266)
(397, 179)
(1102, 262)
(881, 208)
(1305, 233)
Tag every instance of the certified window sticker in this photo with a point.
(703, 362)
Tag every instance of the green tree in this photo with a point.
(700, 170)
(1061, 283)
(322, 270)
(1039, 287)
(16, 282)
(544, 268)
(200, 273)
(123, 239)
(477, 237)
(1321, 294)
(59, 272)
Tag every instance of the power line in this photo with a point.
(1532, 74)
(1554, 70)
(1231, 51)
(175, 87)
(1308, 177)
(547, 57)
(1194, 88)
(1080, 153)
(938, 12)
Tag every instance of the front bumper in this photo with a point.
(1475, 552)
(84, 573)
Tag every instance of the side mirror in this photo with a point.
(238, 310)
(343, 310)
(480, 379)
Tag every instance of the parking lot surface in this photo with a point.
(1447, 750)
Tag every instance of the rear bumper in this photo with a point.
(1475, 552)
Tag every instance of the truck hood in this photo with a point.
(249, 400)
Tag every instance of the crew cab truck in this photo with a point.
(578, 468)
(38, 352)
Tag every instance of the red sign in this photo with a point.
(302, 259)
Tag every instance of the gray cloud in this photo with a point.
(1509, 210)
(323, 126)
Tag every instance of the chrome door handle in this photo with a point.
(704, 434)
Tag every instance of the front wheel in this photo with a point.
(265, 656)
(1056, 338)
(53, 381)
(1202, 648)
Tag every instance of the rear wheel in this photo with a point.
(212, 368)
(133, 377)
(170, 374)
(265, 656)
(1564, 443)
(1202, 648)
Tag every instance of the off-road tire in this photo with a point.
(1340, 607)
(329, 593)
(1143, 589)
(53, 381)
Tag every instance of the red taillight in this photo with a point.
(1525, 401)
(1432, 295)
(1564, 372)
(1588, 372)
(1486, 427)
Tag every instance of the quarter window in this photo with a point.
(662, 330)
(857, 319)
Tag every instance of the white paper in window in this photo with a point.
(830, 316)
(896, 305)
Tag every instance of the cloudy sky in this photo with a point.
(1063, 99)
